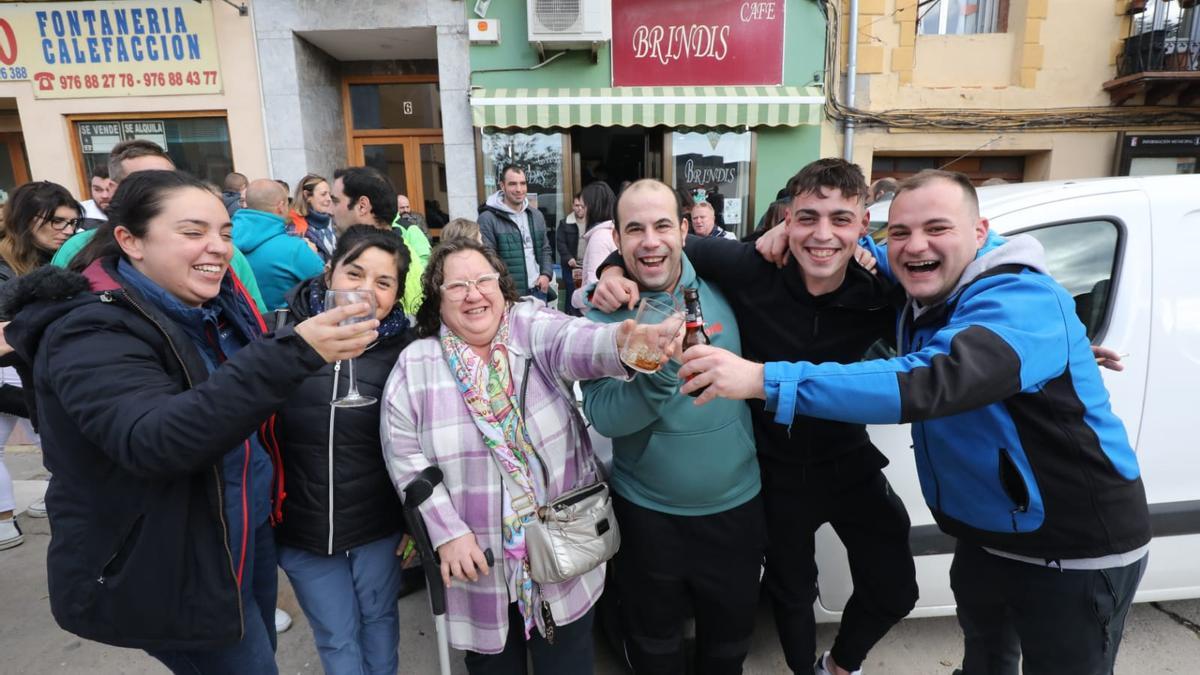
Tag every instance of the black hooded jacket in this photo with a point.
(318, 441)
(134, 428)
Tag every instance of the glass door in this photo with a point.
(14, 168)
(416, 165)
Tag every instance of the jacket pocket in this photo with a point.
(120, 555)
(1014, 486)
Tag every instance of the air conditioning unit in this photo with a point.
(569, 24)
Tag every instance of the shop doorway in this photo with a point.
(14, 166)
(615, 155)
(416, 165)
(394, 124)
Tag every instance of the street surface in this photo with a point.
(1162, 639)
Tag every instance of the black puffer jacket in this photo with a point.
(134, 429)
(360, 504)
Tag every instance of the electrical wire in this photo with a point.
(985, 119)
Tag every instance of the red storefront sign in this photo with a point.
(696, 42)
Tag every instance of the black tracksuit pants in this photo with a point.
(872, 523)
(671, 567)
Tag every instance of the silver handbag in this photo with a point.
(574, 533)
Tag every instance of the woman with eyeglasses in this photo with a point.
(490, 385)
(39, 217)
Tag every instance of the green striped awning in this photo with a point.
(648, 106)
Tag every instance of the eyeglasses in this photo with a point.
(61, 224)
(457, 290)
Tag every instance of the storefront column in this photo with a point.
(458, 137)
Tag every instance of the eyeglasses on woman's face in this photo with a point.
(456, 291)
(59, 223)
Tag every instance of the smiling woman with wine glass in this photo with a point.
(155, 384)
(342, 519)
(490, 386)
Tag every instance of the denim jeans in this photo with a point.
(350, 601)
(255, 652)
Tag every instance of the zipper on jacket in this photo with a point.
(337, 369)
(216, 472)
(1013, 485)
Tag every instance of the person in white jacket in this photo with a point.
(599, 240)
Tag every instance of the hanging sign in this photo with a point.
(95, 49)
(697, 42)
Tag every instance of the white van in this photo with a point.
(1122, 248)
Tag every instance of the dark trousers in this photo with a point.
(871, 522)
(1065, 622)
(255, 652)
(672, 567)
(570, 653)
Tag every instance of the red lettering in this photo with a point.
(8, 55)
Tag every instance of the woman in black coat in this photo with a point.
(342, 518)
(154, 386)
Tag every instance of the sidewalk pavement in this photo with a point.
(1162, 639)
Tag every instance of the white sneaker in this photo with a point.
(10, 534)
(37, 509)
(283, 621)
(819, 667)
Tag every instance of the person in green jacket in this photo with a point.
(364, 196)
(685, 479)
(141, 155)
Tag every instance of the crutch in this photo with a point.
(414, 495)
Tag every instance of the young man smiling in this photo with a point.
(821, 306)
(1019, 454)
(685, 480)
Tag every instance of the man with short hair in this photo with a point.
(101, 189)
(408, 218)
(363, 196)
(1019, 454)
(821, 306)
(517, 233)
(882, 190)
(233, 192)
(411, 226)
(136, 155)
(685, 480)
(279, 261)
(704, 223)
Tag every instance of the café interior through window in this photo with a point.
(715, 167)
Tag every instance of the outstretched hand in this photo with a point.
(613, 291)
(335, 342)
(1108, 358)
(773, 246)
(726, 375)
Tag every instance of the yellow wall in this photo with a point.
(1054, 55)
(48, 135)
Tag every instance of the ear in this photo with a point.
(363, 206)
(616, 234)
(683, 232)
(865, 224)
(981, 232)
(130, 245)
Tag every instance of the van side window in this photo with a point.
(1082, 256)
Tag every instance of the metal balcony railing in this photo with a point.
(1165, 37)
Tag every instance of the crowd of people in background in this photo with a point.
(176, 348)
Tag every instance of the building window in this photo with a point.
(541, 156)
(979, 168)
(395, 105)
(961, 17)
(197, 145)
(715, 167)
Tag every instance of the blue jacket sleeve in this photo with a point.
(1007, 334)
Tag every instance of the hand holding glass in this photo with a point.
(656, 326)
(333, 299)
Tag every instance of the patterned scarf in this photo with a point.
(488, 389)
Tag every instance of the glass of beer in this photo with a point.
(658, 321)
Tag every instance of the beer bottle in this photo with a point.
(695, 334)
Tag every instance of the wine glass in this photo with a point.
(333, 299)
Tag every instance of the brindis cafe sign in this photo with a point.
(697, 42)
